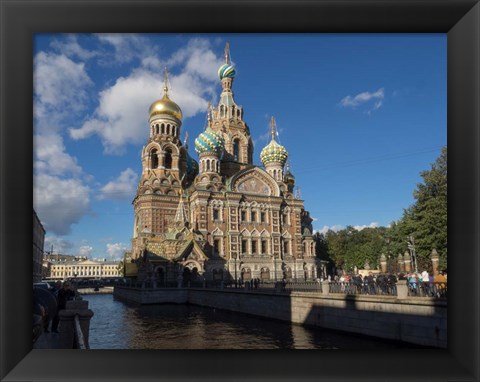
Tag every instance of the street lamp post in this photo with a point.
(235, 261)
(389, 256)
(295, 265)
(413, 255)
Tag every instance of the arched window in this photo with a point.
(163, 128)
(265, 274)
(154, 158)
(168, 158)
(208, 164)
(157, 128)
(236, 149)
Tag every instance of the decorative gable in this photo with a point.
(254, 181)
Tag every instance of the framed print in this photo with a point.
(459, 20)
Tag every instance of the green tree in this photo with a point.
(426, 219)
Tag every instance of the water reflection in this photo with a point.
(119, 325)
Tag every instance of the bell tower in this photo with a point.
(227, 120)
(166, 167)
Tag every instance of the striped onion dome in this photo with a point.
(209, 141)
(226, 70)
(273, 152)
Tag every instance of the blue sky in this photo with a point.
(361, 115)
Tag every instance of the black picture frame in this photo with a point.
(460, 19)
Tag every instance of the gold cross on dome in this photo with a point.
(227, 47)
(165, 81)
(272, 127)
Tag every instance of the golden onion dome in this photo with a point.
(165, 106)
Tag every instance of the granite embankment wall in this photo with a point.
(416, 320)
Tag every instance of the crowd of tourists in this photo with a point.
(419, 284)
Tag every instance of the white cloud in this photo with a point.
(326, 228)
(363, 98)
(339, 227)
(85, 250)
(70, 47)
(50, 156)
(60, 202)
(197, 59)
(118, 118)
(61, 92)
(121, 188)
(126, 48)
(115, 251)
(60, 246)
(361, 227)
(60, 88)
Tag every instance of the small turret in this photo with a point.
(274, 155)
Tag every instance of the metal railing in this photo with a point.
(303, 286)
(79, 338)
(418, 289)
(427, 289)
(370, 288)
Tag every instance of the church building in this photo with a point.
(221, 217)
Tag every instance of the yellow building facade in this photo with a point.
(84, 269)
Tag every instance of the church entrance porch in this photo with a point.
(190, 275)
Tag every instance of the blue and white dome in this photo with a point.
(226, 70)
(209, 141)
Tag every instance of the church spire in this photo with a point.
(165, 82)
(209, 114)
(226, 53)
(181, 215)
(273, 155)
(272, 127)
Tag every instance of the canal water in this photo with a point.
(120, 325)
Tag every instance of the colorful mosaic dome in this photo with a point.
(209, 141)
(226, 70)
(273, 152)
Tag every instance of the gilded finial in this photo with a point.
(272, 127)
(165, 81)
(227, 47)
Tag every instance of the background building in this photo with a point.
(222, 218)
(62, 270)
(38, 243)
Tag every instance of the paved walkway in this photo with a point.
(48, 341)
